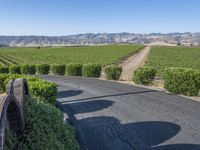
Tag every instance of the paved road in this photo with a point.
(114, 116)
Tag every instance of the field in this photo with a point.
(163, 57)
(62, 55)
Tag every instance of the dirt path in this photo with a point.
(133, 62)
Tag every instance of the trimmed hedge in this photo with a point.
(44, 90)
(58, 69)
(4, 69)
(91, 70)
(45, 129)
(144, 75)
(113, 72)
(74, 69)
(14, 69)
(43, 68)
(182, 81)
(28, 69)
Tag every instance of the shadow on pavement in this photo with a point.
(88, 106)
(68, 93)
(110, 95)
(107, 133)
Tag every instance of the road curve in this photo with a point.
(114, 116)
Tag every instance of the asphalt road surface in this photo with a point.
(114, 116)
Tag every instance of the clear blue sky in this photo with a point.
(64, 17)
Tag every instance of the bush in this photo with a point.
(182, 81)
(58, 69)
(91, 70)
(144, 75)
(45, 129)
(14, 69)
(73, 69)
(43, 69)
(113, 72)
(28, 69)
(44, 90)
(4, 70)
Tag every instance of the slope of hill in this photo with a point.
(188, 39)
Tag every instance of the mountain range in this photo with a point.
(186, 39)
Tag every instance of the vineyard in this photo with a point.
(62, 55)
(162, 57)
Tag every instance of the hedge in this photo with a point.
(182, 81)
(44, 130)
(4, 69)
(28, 69)
(58, 69)
(113, 72)
(44, 90)
(144, 75)
(14, 69)
(91, 70)
(43, 68)
(74, 69)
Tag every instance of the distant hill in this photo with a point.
(187, 39)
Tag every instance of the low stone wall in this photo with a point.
(12, 108)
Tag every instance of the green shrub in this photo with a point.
(43, 69)
(44, 90)
(91, 70)
(45, 129)
(113, 72)
(58, 69)
(4, 70)
(10, 140)
(28, 69)
(14, 69)
(74, 69)
(144, 75)
(32, 69)
(182, 81)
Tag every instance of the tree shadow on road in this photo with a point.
(68, 93)
(108, 133)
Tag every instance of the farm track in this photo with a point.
(114, 116)
(133, 62)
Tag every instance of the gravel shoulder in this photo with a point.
(114, 116)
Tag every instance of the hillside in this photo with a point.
(187, 39)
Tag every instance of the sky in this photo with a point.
(66, 17)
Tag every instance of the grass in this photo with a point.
(62, 55)
(162, 57)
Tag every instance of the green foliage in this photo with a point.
(74, 69)
(44, 90)
(37, 87)
(144, 75)
(43, 69)
(14, 69)
(162, 57)
(10, 140)
(45, 129)
(91, 70)
(58, 55)
(4, 69)
(58, 69)
(182, 81)
(28, 69)
(113, 72)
